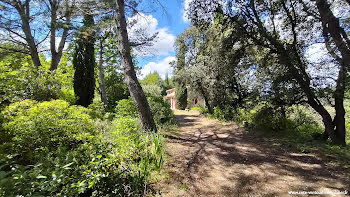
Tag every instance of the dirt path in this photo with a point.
(209, 158)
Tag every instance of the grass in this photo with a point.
(303, 140)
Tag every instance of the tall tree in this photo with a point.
(102, 73)
(26, 23)
(180, 83)
(131, 80)
(333, 30)
(256, 22)
(84, 63)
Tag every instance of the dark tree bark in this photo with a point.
(289, 55)
(131, 80)
(206, 99)
(24, 12)
(332, 29)
(57, 54)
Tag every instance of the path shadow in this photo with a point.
(225, 160)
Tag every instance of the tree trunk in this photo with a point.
(102, 77)
(304, 81)
(131, 80)
(206, 99)
(56, 55)
(331, 23)
(339, 119)
(24, 13)
(332, 27)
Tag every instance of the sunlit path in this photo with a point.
(210, 158)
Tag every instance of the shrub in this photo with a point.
(220, 114)
(244, 116)
(36, 127)
(20, 79)
(96, 110)
(56, 150)
(271, 119)
(126, 107)
(160, 109)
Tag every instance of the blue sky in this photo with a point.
(169, 22)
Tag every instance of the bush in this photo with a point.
(126, 107)
(45, 126)
(244, 116)
(160, 109)
(271, 119)
(220, 114)
(96, 110)
(56, 150)
(20, 79)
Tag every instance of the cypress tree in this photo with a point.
(84, 64)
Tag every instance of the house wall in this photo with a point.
(172, 103)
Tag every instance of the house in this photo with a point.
(171, 98)
(196, 100)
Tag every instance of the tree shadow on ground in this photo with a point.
(224, 160)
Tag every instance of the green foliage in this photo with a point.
(152, 90)
(154, 86)
(160, 109)
(220, 114)
(116, 89)
(84, 64)
(67, 94)
(181, 96)
(96, 110)
(20, 80)
(126, 107)
(152, 79)
(196, 108)
(45, 126)
(271, 119)
(57, 150)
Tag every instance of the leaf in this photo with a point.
(67, 166)
(41, 177)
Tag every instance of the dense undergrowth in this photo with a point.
(297, 126)
(52, 148)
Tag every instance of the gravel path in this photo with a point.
(210, 158)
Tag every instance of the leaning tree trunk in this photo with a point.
(131, 80)
(25, 17)
(331, 27)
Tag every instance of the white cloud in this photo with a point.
(141, 27)
(185, 11)
(162, 67)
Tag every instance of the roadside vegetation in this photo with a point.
(50, 146)
(70, 122)
(255, 63)
(77, 120)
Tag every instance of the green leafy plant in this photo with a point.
(126, 107)
(160, 109)
(55, 149)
